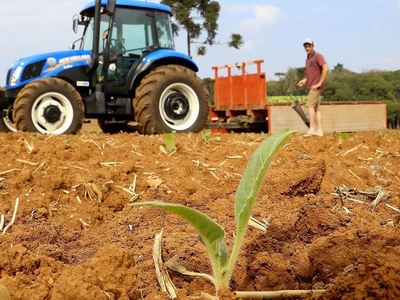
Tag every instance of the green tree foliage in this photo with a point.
(393, 114)
(274, 88)
(394, 78)
(339, 86)
(343, 85)
(210, 87)
(287, 83)
(187, 14)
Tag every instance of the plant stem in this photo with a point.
(219, 278)
(232, 258)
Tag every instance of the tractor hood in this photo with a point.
(29, 68)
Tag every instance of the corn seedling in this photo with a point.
(169, 140)
(211, 234)
(205, 135)
(344, 136)
(67, 141)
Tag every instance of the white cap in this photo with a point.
(308, 41)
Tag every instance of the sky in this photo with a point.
(362, 35)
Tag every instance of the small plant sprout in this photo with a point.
(169, 140)
(211, 234)
(67, 141)
(344, 136)
(205, 135)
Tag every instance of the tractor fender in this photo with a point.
(159, 58)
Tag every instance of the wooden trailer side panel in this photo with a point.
(343, 117)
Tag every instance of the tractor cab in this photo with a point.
(127, 35)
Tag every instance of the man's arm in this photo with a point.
(325, 71)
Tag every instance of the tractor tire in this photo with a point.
(6, 123)
(49, 105)
(171, 98)
(113, 128)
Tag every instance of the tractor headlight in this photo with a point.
(15, 75)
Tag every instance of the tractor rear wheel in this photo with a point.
(49, 105)
(6, 123)
(171, 98)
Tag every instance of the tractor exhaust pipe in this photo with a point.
(297, 107)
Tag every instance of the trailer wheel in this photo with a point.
(49, 105)
(171, 98)
(112, 128)
(6, 123)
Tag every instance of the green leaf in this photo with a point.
(344, 136)
(211, 233)
(223, 257)
(67, 141)
(253, 177)
(169, 141)
(236, 41)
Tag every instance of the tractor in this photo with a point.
(123, 72)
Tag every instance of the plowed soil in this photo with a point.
(76, 237)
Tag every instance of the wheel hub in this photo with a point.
(176, 106)
(52, 114)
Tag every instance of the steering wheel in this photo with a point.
(116, 47)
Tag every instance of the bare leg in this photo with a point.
(311, 116)
(318, 120)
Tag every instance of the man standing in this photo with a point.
(316, 72)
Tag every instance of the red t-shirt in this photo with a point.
(314, 69)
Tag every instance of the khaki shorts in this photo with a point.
(313, 99)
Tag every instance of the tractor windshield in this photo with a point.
(164, 30)
(133, 31)
(87, 40)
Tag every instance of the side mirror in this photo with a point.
(110, 7)
(75, 23)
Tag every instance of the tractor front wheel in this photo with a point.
(171, 98)
(6, 123)
(49, 105)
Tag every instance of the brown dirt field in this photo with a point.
(76, 237)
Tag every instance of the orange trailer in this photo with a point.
(240, 101)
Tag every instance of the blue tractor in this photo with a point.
(126, 74)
